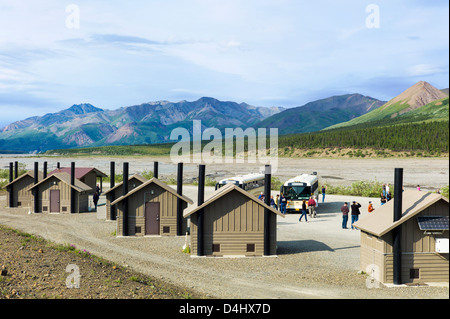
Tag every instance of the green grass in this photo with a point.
(444, 191)
(116, 150)
(361, 188)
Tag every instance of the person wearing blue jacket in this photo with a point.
(283, 202)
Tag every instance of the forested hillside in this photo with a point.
(425, 136)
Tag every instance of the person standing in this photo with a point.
(370, 207)
(383, 199)
(272, 202)
(95, 199)
(344, 210)
(303, 211)
(283, 202)
(312, 207)
(388, 196)
(324, 188)
(355, 212)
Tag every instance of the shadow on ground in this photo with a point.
(304, 246)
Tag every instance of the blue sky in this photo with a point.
(54, 54)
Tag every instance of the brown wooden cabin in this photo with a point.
(152, 210)
(21, 189)
(424, 229)
(54, 194)
(117, 191)
(233, 224)
(87, 175)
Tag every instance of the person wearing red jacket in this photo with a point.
(344, 210)
(312, 207)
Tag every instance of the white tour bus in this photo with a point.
(252, 183)
(300, 188)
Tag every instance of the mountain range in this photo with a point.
(84, 125)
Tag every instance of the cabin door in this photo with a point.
(152, 218)
(54, 201)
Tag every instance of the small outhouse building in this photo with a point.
(113, 193)
(424, 239)
(19, 190)
(233, 224)
(87, 175)
(54, 194)
(151, 209)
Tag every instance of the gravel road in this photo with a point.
(317, 259)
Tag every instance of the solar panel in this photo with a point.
(433, 222)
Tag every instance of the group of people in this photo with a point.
(310, 209)
(354, 212)
(279, 203)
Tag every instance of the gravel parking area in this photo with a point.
(317, 259)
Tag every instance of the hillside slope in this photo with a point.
(320, 114)
(420, 94)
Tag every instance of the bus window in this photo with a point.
(297, 192)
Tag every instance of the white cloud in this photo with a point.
(425, 69)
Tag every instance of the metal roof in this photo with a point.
(243, 178)
(381, 220)
(304, 178)
(80, 172)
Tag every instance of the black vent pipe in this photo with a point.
(45, 170)
(397, 233)
(200, 201)
(11, 187)
(155, 170)
(16, 169)
(267, 186)
(72, 190)
(179, 200)
(11, 172)
(125, 201)
(36, 192)
(112, 183)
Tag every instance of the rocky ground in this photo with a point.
(34, 268)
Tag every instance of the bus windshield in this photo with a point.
(219, 185)
(297, 192)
